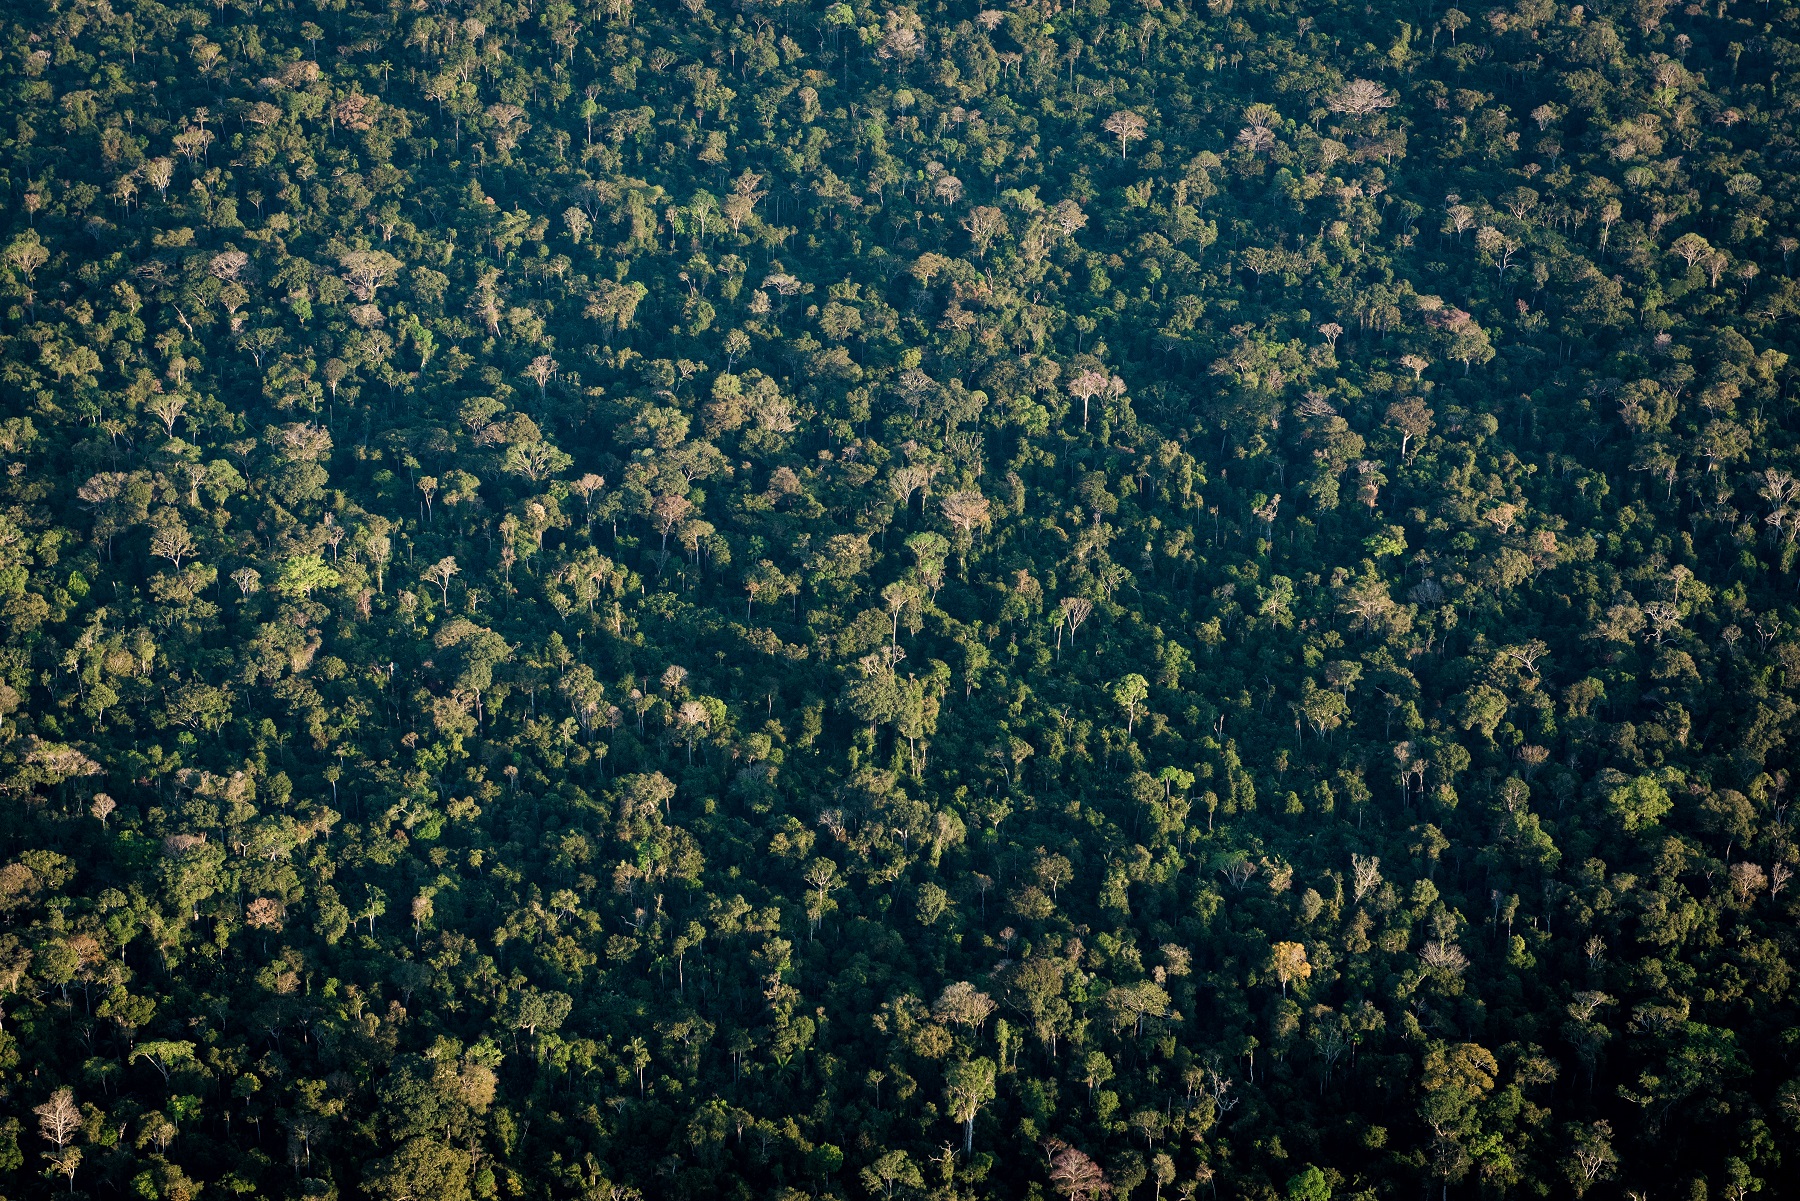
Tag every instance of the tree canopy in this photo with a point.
(556, 642)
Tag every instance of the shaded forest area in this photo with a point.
(559, 644)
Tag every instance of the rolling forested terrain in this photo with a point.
(1135, 598)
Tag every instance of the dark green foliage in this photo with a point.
(1171, 598)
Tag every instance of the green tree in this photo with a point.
(968, 1085)
(1130, 693)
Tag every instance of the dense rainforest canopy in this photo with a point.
(559, 643)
